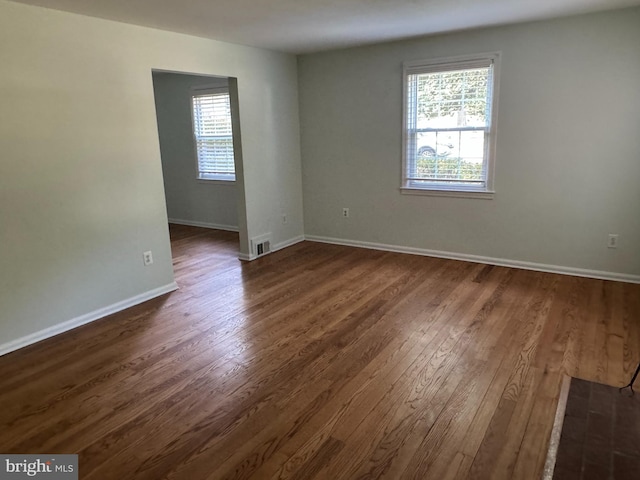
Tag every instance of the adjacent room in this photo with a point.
(320, 240)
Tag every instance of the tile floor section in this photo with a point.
(600, 436)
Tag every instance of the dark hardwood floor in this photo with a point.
(320, 361)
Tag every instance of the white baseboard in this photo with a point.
(215, 226)
(247, 257)
(503, 262)
(287, 243)
(84, 319)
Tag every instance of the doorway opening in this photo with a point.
(200, 148)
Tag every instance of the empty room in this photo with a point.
(320, 240)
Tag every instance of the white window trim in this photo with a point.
(488, 191)
(208, 179)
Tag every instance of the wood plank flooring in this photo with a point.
(320, 362)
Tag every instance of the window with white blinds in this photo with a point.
(213, 134)
(449, 120)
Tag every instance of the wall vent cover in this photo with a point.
(261, 245)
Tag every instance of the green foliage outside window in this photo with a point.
(447, 168)
(448, 93)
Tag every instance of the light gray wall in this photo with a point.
(81, 192)
(568, 146)
(188, 199)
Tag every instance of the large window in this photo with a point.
(449, 123)
(213, 134)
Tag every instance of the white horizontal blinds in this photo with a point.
(448, 66)
(411, 124)
(448, 124)
(213, 134)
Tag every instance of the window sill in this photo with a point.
(485, 195)
(214, 181)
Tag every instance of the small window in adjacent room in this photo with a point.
(449, 126)
(213, 134)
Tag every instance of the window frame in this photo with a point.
(223, 179)
(460, 62)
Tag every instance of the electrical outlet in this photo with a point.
(147, 258)
(345, 212)
(284, 219)
(612, 242)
